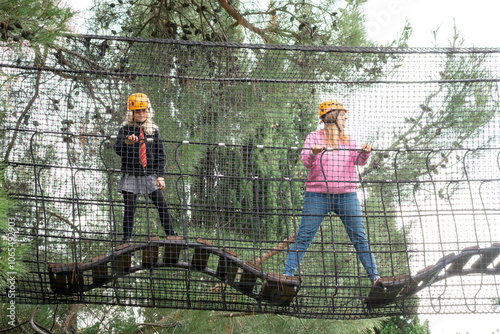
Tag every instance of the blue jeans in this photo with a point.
(316, 207)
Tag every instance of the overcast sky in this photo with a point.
(477, 22)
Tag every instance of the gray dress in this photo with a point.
(138, 184)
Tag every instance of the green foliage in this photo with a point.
(223, 322)
(404, 325)
(49, 318)
(164, 19)
(33, 23)
(496, 304)
(11, 250)
(328, 22)
(4, 200)
(117, 319)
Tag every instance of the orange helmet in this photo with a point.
(329, 105)
(138, 101)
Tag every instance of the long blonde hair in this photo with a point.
(332, 140)
(148, 126)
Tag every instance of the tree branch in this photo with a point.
(63, 219)
(12, 328)
(70, 324)
(241, 20)
(234, 315)
(33, 325)
(266, 256)
(61, 49)
(174, 324)
(23, 114)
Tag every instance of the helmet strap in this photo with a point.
(326, 122)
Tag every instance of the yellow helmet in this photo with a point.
(138, 101)
(329, 105)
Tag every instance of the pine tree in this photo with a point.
(33, 23)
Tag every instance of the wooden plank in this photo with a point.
(458, 265)
(247, 281)
(395, 280)
(201, 255)
(487, 258)
(380, 296)
(172, 251)
(278, 292)
(57, 282)
(121, 263)
(68, 281)
(150, 253)
(227, 269)
(100, 271)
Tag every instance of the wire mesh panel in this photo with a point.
(176, 174)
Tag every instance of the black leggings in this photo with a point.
(158, 199)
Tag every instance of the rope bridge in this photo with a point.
(233, 119)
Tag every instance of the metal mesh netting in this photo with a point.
(232, 121)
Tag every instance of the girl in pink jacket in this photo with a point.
(331, 155)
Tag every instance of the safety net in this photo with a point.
(193, 175)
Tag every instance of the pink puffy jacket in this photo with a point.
(336, 167)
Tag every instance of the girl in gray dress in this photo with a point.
(143, 163)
